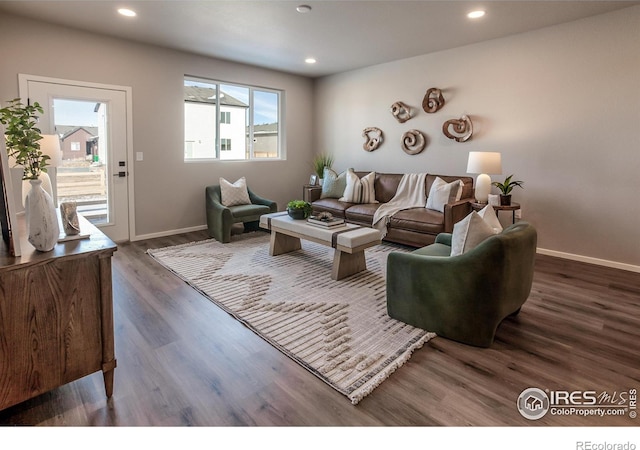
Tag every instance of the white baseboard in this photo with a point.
(590, 260)
(142, 237)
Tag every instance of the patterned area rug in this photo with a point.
(338, 330)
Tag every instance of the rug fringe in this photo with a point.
(362, 392)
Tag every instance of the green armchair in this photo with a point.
(465, 297)
(221, 218)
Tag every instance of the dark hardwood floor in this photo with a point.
(183, 361)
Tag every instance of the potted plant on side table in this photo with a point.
(319, 163)
(505, 188)
(299, 209)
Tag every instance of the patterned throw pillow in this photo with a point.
(469, 233)
(233, 194)
(442, 193)
(333, 185)
(359, 190)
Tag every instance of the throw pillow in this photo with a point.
(442, 193)
(489, 216)
(368, 192)
(359, 190)
(352, 191)
(468, 233)
(333, 185)
(232, 194)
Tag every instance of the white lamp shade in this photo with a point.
(484, 162)
(50, 146)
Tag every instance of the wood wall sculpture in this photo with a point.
(433, 100)
(462, 129)
(413, 142)
(401, 112)
(373, 138)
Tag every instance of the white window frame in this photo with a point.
(250, 140)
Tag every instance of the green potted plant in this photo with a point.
(23, 137)
(505, 188)
(23, 144)
(321, 161)
(299, 209)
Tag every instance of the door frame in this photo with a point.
(23, 80)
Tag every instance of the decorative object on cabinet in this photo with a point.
(506, 188)
(433, 100)
(373, 138)
(41, 218)
(413, 142)
(484, 163)
(313, 180)
(462, 129)
(401, 112)
(69, 216)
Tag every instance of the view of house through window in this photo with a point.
(81, 127)
(230, 122)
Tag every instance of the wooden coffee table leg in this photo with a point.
(345, 264)
(283, 243)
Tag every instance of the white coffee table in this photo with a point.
(349, 241)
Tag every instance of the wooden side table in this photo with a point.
(513, 207)
(311, 193)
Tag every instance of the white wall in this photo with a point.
(169, 193)
(561, 104)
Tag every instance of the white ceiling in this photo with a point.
(342, 35)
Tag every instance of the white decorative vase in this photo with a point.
(42, 221)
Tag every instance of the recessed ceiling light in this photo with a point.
(310, 60)
(127, 12)
(303, 9)
(476, 14)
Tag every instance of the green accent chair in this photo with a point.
(221, 218)
(465, 297)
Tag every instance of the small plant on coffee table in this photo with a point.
(299, 209)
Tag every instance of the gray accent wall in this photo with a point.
(562, 105)
(169, 193)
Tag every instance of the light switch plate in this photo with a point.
(139, 156)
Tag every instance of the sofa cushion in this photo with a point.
(362, 213)
(436, 249)
(333, 185)
(442, 193)
(468, 233)
(232, 194)
(420, 220)
(332, 205)
(242, 211)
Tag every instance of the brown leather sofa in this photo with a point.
(415, 227)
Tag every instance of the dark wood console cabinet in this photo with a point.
(56, 315)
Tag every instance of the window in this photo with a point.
(217, 113)
(75, 146)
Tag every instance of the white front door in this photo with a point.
(92, 123)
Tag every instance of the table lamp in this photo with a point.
(484, 163)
